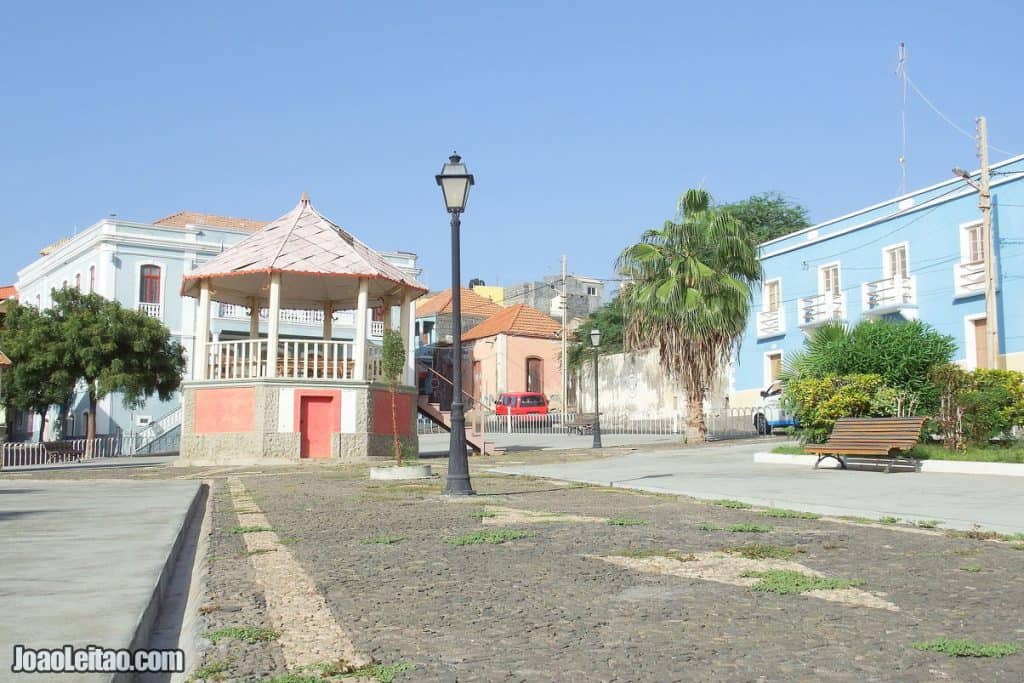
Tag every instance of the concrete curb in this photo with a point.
(148, 618)
(1002, 469)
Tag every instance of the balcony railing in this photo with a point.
(820, 308)
(771, 323)
(889, 295)
(152, 310)
(299, 317)
(969, 278)
(296, 359)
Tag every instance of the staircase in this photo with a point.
(443, 418)
(145, 439)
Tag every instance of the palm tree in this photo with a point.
(688, 295)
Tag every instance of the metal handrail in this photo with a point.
(469, 396)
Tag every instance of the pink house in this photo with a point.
(517, 349)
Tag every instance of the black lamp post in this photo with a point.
(455, 182)
(595, 341)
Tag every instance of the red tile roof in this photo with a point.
(8, 292)
(186, 218)
(518, 321)
(472, 304)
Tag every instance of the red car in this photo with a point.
(521, 403)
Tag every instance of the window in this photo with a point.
(772, 296)
(92, 279)
(894, 264)
(974, 245)
(830, 280)
(531, 401)
(591, 290)
(534, 374)
(772, 367)
(149, 284)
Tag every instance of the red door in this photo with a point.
(315, 413)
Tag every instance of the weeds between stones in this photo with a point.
(288, 540)
(794, 514)
(708, 526)
(214, 671)
(494, 537)
(481, 514)
(260, 551)
(247, 634)
(249, 529)
(729, 503)
(928, 523)
(382, 540)
(967, 648)
(787, 582)
(856, 520)
(627, 521)
(669, 554)
(748, 528)
(888, 520)
(763, 551)
(979, 534)
(973, 568)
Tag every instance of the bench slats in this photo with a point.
(877, 436)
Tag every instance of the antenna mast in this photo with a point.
(901, 72)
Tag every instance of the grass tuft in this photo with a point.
(764, 551)
(382, 540)
(708, 526)
(979, 534)
(481, 514)
(729, 503)
(384, 673)
(787, 582)
(856, 520)
(214, 671)
(967, 648)
(627, 521)
(249, 529)
(928, 523)
(888, 519)
(670, 554)
(494, 537)
(748, 528)
(247, 634)
(973, 568)
(794, 514)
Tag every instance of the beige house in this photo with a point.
(517, 349)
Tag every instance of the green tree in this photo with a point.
(769, 215)
(392, 363)
(689, 295)
(39, 375)
(114, 349)
(610, 320)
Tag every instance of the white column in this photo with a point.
(405, 323)
(274, 323)
(202, 356)
(328, 320)
(254, 318)
(361, 329)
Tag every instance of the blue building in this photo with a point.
(919, 256)
(140, 265)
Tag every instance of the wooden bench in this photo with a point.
(880, 437)
(583, 423)
(61, 451)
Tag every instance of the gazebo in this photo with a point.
(269, 399)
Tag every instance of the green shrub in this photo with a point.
(786, 581)
(967, 648)
(977, 406)
(818, 402)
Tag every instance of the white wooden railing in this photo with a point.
(889, 294)
(820, 308)
(299, 317)
(771, 323)
(969, 278)
(296, 359)
(152, 310)
(376, 329)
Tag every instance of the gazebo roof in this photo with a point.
(318, 262)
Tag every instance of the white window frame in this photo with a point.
(765, 299)
(887, 272)
(965, 242)
(766, 366)
(839, 277)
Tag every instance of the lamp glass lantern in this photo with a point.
(455, 182)
(595, 337)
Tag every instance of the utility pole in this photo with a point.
(565, 346)
(992, 257)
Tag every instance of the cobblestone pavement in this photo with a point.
(547, 607)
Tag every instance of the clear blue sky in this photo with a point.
(583, 121)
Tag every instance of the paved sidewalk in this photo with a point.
(431, 444)
(959, 500)
(80, 560)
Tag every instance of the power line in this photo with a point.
(946, 118)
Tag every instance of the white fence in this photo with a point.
(74, 450)
(296, 359)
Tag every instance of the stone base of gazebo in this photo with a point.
(287, 421)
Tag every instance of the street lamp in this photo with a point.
(595, 341)
(455, 182)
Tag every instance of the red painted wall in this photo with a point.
(382, 418)
(221, 411)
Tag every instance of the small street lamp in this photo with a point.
(595, 341)
(455, 182)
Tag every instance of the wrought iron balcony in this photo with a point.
(771, 323)
(821, 308)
